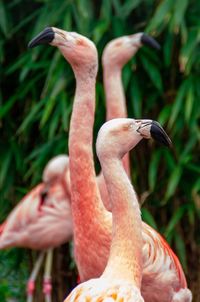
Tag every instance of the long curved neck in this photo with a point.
(115, 99)
(125, 260)
(85, 198)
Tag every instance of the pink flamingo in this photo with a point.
(115, 55)
(163, 277)
(121, 279)
(42, 220)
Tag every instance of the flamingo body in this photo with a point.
(43, 217)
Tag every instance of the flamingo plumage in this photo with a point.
(42, 219)
(92, 222)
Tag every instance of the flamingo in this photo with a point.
(115, 55)
(42, 220)
(121, 279)
(163, 277)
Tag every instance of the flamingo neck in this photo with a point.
(125, 260)
(115, 100)
(85, 199)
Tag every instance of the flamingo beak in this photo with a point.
(159, 134)
(149, 41)
(45, 37)
(152, 129)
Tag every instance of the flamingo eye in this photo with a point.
(118, 44)
(131, 126)
(128, 127)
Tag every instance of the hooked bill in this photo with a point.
(46, 36)
(149, 41)
(159, 134)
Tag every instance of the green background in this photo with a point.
(36, 98)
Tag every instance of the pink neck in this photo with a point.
(115, 100)
(125, 260)
(85, 198)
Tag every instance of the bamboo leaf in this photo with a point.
(4, 109)
(173, 182)
(167, 48)
(146, 216)
(189, 103)
(153, 169)
(118, 27)
(178, 102)
(106, 10)
(3, 20)
(181, 250)
(5, 166)
(165, 114)
(31, 116)
(66, 109)
(117, 6)
(180, 7)
(136, 97)
(161, 16)
(54, 125)
(187, 51)
(153, 73)
(59, 86)
(176, 217)
(99, 30)
(128, 7)
(19, 62)
(126, 76)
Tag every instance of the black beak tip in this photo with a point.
(158, 133)
(149, 41)
(45, 37)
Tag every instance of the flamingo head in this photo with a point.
(119, 51)
(78, 50)
(57, 169)
(118, 136)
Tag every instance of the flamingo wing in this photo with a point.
(20, 216)
(163, 275)
(2, 226)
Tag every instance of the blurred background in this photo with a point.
(36, 98)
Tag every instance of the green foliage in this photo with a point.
(37, 91)
(13, 274)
